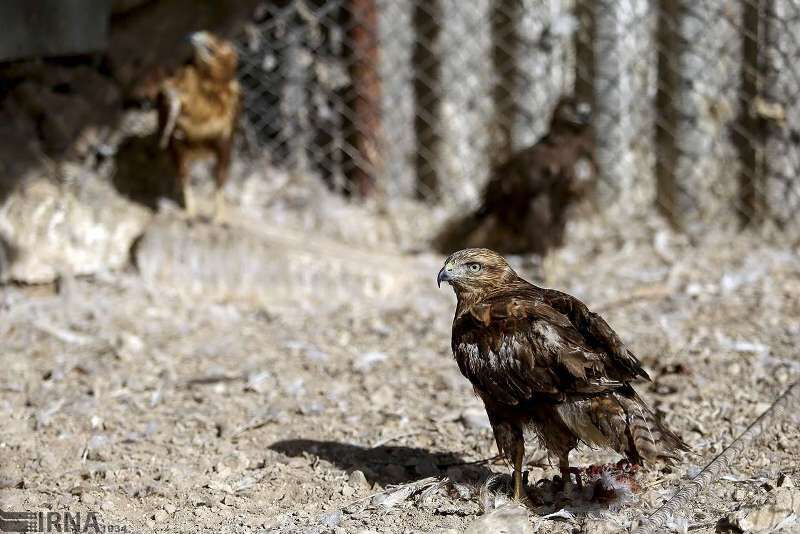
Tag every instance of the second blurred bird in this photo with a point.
(526, 203)
(198, 107)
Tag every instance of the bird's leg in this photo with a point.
(511, 444)
(188, 199)
(519, 455)
(563, 466)
(219, 206)
(221, 170)
(567, 471)
(183, 182)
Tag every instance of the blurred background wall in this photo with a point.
(689, 96)
(404, 106)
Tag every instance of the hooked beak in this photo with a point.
(199, 39)
(443, 276)
(584, 113)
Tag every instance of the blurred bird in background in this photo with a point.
(197, 112)
(540, 360)
(526, 203)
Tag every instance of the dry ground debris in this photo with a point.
(164, 410)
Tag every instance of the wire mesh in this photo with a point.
(695, 104)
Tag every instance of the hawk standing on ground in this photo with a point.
(197, 111)
(539, 359)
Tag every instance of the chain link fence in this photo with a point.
(696, 108)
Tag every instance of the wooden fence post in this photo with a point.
(700, 55)
(781, 110)
(427, 63)
(749, 133)
(364, 128)
(505, 48)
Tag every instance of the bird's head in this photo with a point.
(571, 114)
(215, 56)
(475, 271)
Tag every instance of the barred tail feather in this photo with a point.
(648, 437)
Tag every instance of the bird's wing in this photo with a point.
(169, 108)
(516, 348)
(596, 331)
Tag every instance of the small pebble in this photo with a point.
(160, 516)
(297, 461)
(475, 418)
(357, 479)
(368, 360)
(331, 519)
(48, 461)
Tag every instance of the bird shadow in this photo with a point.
(386, 464)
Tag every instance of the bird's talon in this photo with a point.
(524, 501)
(577, 471)
(521, 496)
(219, 207)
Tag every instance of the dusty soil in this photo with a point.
(172, 413)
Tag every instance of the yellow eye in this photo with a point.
(474, 267)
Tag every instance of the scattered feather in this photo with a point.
(560, 514)
(492, 493)
(396, 495)
(678, 524)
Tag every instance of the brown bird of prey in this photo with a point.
(197, 111)
(527, 200)
(540, 360)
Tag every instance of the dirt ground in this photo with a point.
(163, 412)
